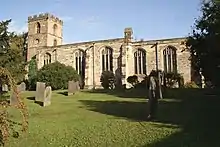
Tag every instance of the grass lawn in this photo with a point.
(102, 118)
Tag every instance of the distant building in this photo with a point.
(123, 56)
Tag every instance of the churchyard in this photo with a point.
(117, 118)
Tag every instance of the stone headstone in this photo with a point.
(47, 96)
(39, 97)
(72, 87)
(13, 97)
(22, 86)
(5, 88)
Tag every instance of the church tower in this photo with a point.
(43, 30)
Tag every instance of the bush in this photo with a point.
(171, 79)
(107, 80)
(191, 85)
(57, 75)
(133, 80)
(143, 84)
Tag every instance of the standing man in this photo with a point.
(153, 95)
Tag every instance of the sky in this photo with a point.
(86, 20)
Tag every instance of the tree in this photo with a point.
(11, 61)
(57, 75)
(13, 51)
(107, 80)
(204, 42)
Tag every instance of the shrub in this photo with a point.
(57, 75)
(32, 74)
(143, 84)
(107, 80)
(171, 79)
(191, 85)
(133, 80)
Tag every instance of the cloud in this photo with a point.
(91, 22)
(14, 27)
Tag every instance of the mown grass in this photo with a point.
(103, 118)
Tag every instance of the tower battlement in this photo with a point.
(44, 16)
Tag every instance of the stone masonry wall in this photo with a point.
(123, 59)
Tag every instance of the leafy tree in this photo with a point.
(57, 75)
(13, 51)
(107, 80)
(204, 42)
(133, 80)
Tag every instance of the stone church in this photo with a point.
(123, 56)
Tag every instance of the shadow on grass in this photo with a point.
(65, 93)
(36, 102)
(194, 110)
(123, 93)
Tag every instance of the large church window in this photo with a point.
(107, 59)
(140, 61)
(80, 62)
(170, 60)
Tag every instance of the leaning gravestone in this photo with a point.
(47, 96)
(72, 87)
(39, 97)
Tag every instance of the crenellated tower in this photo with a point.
(43, 30)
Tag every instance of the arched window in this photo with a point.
(170, 59)
(80, 62)
(47, 58)
(140, 61)
(54, 42)
(107, 59)
(55, 29)
(38, 27)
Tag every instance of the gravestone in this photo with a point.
(5, 88)
(47, 96)
(22, 86)
(39, 97)
(13, 97)
(72, 87)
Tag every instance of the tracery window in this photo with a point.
(107, 59)
(140, 62)
(170, 59)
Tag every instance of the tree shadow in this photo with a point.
(198, 118)
(123, 93)
(193, 110)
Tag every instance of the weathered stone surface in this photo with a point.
(13, 97)
(123, 54)
(4, 88)
(73, 87)
(47, 96)
(40, 89)
(22, 87)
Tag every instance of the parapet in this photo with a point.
(128, 30)
(44, 16)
